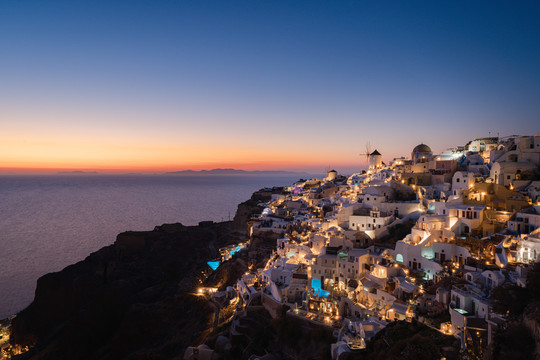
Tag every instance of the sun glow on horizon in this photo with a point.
(70, 150)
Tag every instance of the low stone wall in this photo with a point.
(273, 307)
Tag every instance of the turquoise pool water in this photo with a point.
(214, 264)
(236, 249)
(316, 285)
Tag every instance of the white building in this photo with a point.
(505, 173)
(528, 249)
(462, 180)
(468, 217)
(525, 222)
(366, 219)
(428, 256)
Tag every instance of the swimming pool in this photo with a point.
(316, 286)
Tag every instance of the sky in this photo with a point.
(266, 85)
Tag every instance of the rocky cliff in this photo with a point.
(250, 208)
(133, 299)
(136, 299)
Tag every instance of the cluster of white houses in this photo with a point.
(476, 216)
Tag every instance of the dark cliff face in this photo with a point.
(227, 274)
(131, 300)
(249, 208)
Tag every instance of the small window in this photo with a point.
(457, 180)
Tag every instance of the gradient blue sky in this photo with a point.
(170, 85)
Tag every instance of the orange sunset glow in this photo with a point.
(49, 155)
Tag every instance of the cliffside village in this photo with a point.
(463, 222)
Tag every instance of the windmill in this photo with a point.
(367, 153)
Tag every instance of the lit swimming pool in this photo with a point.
(316, 286)
(214, 264)
(236, 249)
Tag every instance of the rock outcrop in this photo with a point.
(227, 274)
(248, 209)
(133, 299)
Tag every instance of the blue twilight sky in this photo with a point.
(259, 84)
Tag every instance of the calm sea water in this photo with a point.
(49, 222)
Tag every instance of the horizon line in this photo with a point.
(309, 169)
(48, 171)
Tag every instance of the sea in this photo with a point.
(50, 222)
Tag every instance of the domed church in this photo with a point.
(421, 154)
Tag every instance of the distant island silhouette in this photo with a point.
(77, 172)
(220, 171)
(217, 171)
